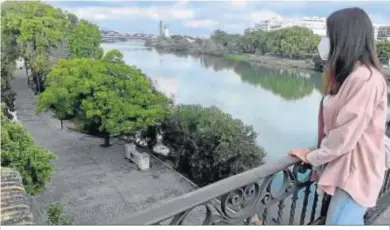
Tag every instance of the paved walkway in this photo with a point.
(96, 185)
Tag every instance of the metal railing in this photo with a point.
(278, 193)
(383, 201)
(240, 198)
(263, 192)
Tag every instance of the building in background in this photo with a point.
(316, 24)
(376, 30)
(383, 33)
(269, 25)
(163, 29)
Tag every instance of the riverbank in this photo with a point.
(274, 62)
(258, 60)
(209, 47)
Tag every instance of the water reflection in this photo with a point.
(281, 105)
(280, 82)
(290, 84)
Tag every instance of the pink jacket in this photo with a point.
(353, 146)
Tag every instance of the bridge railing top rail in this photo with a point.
(180, 204)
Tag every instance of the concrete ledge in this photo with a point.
(15, 208)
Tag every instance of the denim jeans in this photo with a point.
(343, 210)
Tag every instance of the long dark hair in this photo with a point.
(352, 39)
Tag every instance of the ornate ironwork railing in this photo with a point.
(278, 193)
(383, 200)
(263, 192)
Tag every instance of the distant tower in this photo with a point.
(160, 29)
(166, 30)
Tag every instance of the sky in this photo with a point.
(200, 18)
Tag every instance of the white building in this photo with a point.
(166, 31)
(163, 29)
(383, 32)
(316, 24)
(269, 25)
(376, 30)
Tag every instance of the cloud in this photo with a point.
(201, 17)
(174, 12)
(200, 23)
(380, 19)
(239, 4)
(263, 15)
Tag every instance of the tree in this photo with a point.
(8, 57)
(37, 28)
(18, 151)
(209, 145)
(7, 97)
(84, 41)
(103, 96)
(383, 49)
(295, 42)
(220, 37)
(113, 56)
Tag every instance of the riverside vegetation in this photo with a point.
(75, 80)
(294, 47)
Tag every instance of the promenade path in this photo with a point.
(96, 185)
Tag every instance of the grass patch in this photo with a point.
(236, 57)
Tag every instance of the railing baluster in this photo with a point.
(304, 207)
(314, 207)
(325, 205)
(280, 212)
(385, 185)
(387, 180)
(264, 216)
(294, 200)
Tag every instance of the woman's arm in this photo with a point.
(352, 119)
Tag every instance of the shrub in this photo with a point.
(55, 215)
(19, 151)
(208, 145)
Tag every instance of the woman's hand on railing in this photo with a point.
(300, 153)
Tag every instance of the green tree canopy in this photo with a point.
(8, 96)
(8, 57)
(294, 43)
(37, 27)
(383, 49)
(18, 151)
(84, 41)
(113, 97)
(209, 145)
(114, 56)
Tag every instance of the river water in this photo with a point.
(281, 105)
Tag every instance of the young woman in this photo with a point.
(350, 156)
